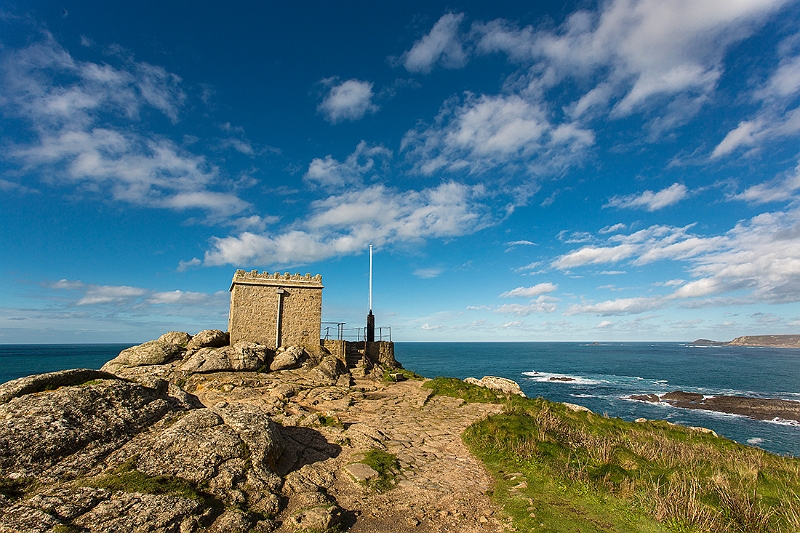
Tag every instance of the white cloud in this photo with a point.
(521, 243)
(613, 229)
(779, 190)
(644, 51)
(530, 292)
(758, 260)
(620, 306)
(429, 327)
(331, 173)
(485, 132)
(442, 45)
(130, 298)
(349, 100)
(345, 224)
(85, 121)
(778, 117)
(183, 266)
(589, 255)
(651, 201)
(604, 324)
(427, 273)
(542, 304)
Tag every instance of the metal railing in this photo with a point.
(337, 331)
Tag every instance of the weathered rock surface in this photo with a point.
(162, 350)
(209, 338)
(289, 358)
(93, 429)
(504, 385)
(240, 356)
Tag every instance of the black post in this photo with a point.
(370, 327)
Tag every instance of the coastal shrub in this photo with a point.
(386, 465)
(584, 470)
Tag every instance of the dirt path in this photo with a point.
(441, 488)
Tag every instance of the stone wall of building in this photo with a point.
(256, 298)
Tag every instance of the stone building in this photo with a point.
(275, 309)
(286, 310)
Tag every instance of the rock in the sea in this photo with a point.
(209, 338)
(503, 385)
(291, 357)
(652, 398)
(681, 396)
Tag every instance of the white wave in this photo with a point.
(755, 440)
(783, 422)
(548, 377)
(583, 395)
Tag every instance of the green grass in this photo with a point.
(563, 471)
(126, 478)
(386, 465)
(470, 393)
(331, 421)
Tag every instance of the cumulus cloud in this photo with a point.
(441, 45)
(778, 117)
(349, 100)
(651, 201)
(642, 50)
(620, 306)
(756, 261)
(345, 224)
(331, 173)
(85, 120)
(778, 190)
(130, 298)
(530, 292)
(542, 304)
(485, 132)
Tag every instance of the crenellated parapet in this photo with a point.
(276, 279)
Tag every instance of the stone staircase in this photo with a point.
(354, 354)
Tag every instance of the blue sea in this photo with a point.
(602, 376)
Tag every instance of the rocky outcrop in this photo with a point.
(113, 455)
(775, 341)
(764, 341)
(162, 350)
(209, 338)
(758, 408)
(240, 356)
(506, 386)
(287, 358)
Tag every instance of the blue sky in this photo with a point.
(534, 171)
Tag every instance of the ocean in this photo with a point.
(602, 376)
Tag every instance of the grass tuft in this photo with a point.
(386, 465)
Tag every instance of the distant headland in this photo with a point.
(770, 341)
